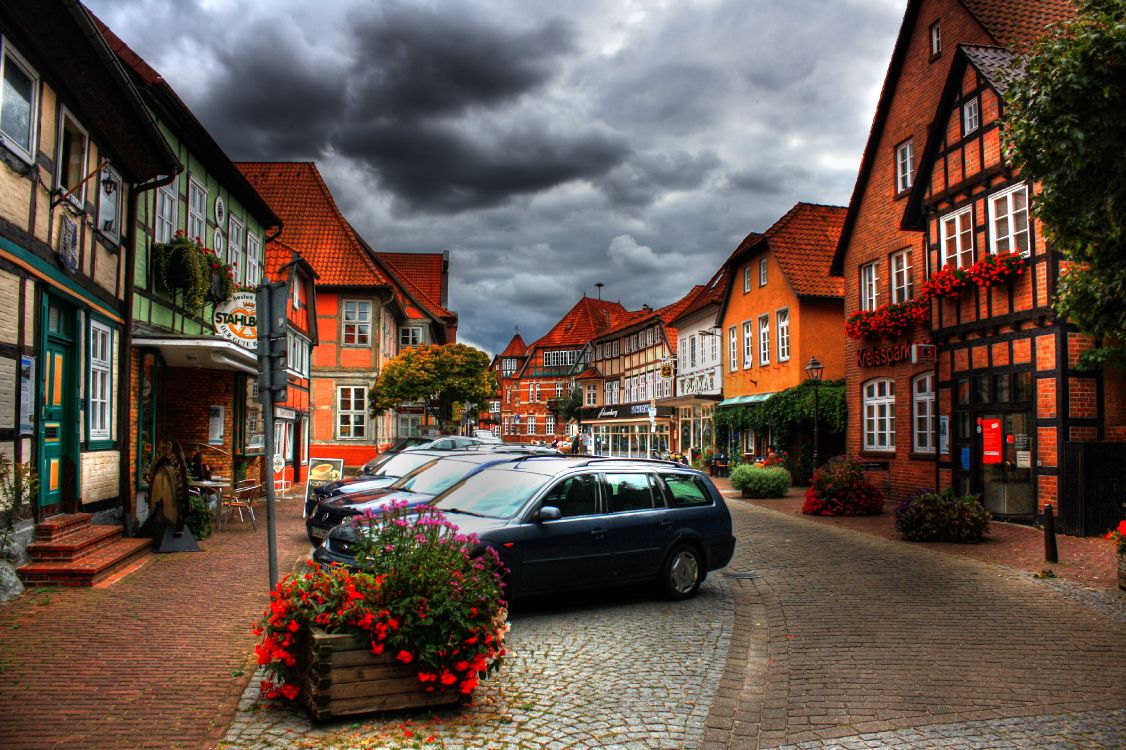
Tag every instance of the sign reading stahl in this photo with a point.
(237, 320)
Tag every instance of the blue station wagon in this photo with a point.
(569, 523)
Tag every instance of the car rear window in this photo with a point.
(687, 490)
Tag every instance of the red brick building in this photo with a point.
(996, 405)
(545, 371)
(505, 366)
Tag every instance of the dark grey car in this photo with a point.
(569, 523)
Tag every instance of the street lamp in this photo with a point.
(814, 370)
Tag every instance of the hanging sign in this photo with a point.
(237, 320)
(991, 441)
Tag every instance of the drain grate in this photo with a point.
(745, 575)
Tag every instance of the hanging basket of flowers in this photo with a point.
(423, 615)
(946, 282)
(196, 271)
(996, 269)
(888, 321)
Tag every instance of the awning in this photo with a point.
(754, 398)
(204, 353)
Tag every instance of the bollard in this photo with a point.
(1051, 554)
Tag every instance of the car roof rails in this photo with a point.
(624, 459)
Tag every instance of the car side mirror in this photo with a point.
(548, 513)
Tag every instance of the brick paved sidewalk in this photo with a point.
(156, 660)
(1086, 561)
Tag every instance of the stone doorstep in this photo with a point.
(89, 569)
(75, 544)
(57, 527)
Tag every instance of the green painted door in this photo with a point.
(57, 449)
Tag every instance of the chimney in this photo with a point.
(445, 301)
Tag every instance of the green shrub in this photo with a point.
(199, 517)
(929, 516)
(760, 481)
(839, 488)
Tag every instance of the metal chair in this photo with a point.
(242, 497)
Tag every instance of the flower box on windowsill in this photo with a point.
(340, 676)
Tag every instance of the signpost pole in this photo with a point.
(266, 396)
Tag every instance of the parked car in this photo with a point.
(577, 522)
(486, 436)
(440, 471)
(447, 443)
(375, 475)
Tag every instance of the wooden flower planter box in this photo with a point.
(340, 676)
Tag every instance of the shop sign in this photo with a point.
(878, 356)
(282, 412)
(236, 320)
(321, 472)
(923, 353)
(607, 413)
(991, 441)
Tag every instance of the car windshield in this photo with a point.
(402, 464)
(434, 477)
(494, 493)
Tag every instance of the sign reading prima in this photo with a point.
(236, 320)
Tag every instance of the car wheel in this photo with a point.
(682, 572)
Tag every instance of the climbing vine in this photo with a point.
(783, 412)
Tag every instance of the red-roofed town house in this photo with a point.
(626, 379)
(780, 308)
(982, 394)
(531, 400)
(506, 366)
(369, 306)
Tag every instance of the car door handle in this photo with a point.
(598, 533)
(666, 524)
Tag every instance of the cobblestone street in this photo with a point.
(814, 637)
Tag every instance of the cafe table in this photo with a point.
(205, 486)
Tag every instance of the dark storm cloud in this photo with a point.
(420, 62)
(547, 145)
(435, 167)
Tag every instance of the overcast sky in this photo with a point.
(547, 145)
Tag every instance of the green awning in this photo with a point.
(754, 398)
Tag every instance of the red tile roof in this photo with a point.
(313, 224)
(803, 242)
(277, 255)
(419, 277)
(711, 295)
(515, 348)
(588, 319)
(1018, 23)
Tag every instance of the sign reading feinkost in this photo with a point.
(237, 320)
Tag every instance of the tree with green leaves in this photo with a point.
(438, 376)
(1066, 129)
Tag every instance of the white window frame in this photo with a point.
(78, 198)
(410, 336)
(733, 348)
(782, 321)
(1009, 237)
(100, 390)
(592, 393)
(904, 166)
(748, 344)
(869, 286)
(197, 210)
(747, 278)
(236, 233)
(354, 413)
(762, 271)
(297, 361)
(922, 412)
(902, 281)
(166, 209)
(962, 221)
(878, 405)
(9, 55)
(531, 425)
(936, 39)
(764, 340)
(971, 115)
(253, 260)
(359, 319)
(549, 424)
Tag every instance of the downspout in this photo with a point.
(124, 373)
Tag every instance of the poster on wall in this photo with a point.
(215, 424)
(944, 435)
(27, 394)
(991, 441)
(322, 471)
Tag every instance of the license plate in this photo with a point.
(318, 533)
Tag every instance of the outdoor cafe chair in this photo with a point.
(241, 498)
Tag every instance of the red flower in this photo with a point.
(406, 657)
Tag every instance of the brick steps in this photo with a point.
(70, 551)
